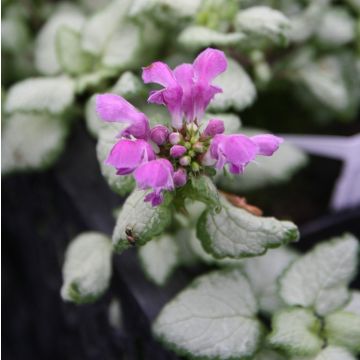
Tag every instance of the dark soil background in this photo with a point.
(42, 212)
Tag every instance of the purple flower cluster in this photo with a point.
(185, 148)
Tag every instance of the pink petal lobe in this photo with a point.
(159, 73)
(267, 143)
(209, 64)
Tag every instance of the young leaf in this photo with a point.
(87, 268)
(31, 141)
(334, 353)
(102, 25)
(122, 185)
(197, 37)
(319, 279)
(238, 89)
(72, 58)
(296, 331)
(214, 317)
(159, 258)
(138, 221)
(236, 233)
(53, 95)
(263, 272)
(263, 21)
(46, 59)
(342, 328)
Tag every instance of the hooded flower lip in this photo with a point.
(156, 175)
(238, 150)
(187, 90)
(114, 108)
(127, 155)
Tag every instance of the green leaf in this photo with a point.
(87, 268)
(14, 35)
(263, 22)
(46, 59)
(128, 85)
(342, 328)
(138, 221)
(238, 89)
(123, 48)
(31, 141)
(159, 257)
(296, 331)
(99, 28)
(236, 233)
(278, 168)
(334, 353)
(53, 95)
(122, 185)
(72, 58)
(214, 317)
(263, 273)
(197, 37)
(319, 279)
(93, 123)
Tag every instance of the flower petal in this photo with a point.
(159, 73)
(209, 64)
(267, 143)
(114, 108)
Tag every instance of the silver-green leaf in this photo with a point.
(319, 279)
(53, 95)
(236, 233)
(159, 258)
(239, 91)
(197, 37)
(214, 317)
(138, 221)
(296, 332)
(87, 268)
(31, 141)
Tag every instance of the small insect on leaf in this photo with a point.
(129, 231)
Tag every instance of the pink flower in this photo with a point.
(114, 108)
(187, 90)
(238, 150)
(127, 155)
(156, 175)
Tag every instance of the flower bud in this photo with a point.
(177, 151)
(175, 138)
(198, 147)
(185, 160)
(195, 166)
(192, 127)
(180, 177)
(214, 127)
(159, 134)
